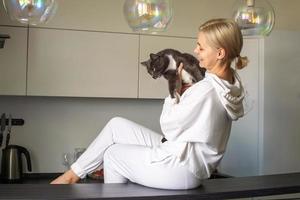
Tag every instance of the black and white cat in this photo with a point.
(166, 62)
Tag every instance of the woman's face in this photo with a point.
(207, 55)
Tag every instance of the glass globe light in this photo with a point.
(148, 15)
(31, 12)
(254, 17)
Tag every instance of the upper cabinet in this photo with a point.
(13, 61)
(80, 63)
(87, 50)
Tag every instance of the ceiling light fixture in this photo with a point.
(31, 12)
(149, 16)
(254, 17)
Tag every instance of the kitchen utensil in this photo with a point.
(11, 163)
(8, 130)
(2, 128)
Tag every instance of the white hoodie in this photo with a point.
(198, 128)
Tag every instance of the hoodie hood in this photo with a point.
(230, 95)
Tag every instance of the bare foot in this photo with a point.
(69, 177)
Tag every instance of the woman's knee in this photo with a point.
(110, 153)
(117, 153)
(117, 120)
(111, 167)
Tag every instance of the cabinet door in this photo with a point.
(158, 88)
(82, 64)
(13, 61)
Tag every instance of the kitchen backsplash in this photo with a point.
(54, 126)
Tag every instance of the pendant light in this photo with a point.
(31, 12)
(254, 17)
(148, 16)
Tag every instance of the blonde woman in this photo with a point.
(194, 132)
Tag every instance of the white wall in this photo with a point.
(56, 125)
(282, 103)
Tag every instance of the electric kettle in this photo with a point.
(11, 163)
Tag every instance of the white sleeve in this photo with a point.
(176, 118)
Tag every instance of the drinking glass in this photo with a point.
(78, 152)
(67, 159)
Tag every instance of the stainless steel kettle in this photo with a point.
(11, 163)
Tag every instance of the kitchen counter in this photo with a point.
(222, 188)
(46, 178)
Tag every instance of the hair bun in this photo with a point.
(241, 62)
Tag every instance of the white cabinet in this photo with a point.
(13, 61)
(82, 63)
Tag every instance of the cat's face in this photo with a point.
(156, 65)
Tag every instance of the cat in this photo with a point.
(166, 62)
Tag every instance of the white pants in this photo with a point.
(123, 148)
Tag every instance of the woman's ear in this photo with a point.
(221, 53)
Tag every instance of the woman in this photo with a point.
(195, 131)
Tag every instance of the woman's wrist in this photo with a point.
(185, 86)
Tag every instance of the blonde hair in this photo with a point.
(225, 33)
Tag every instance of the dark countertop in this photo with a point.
(45, 178)
(222, 188)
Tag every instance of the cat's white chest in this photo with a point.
(185, 76)
(172, 63)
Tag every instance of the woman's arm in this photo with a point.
(195, 107)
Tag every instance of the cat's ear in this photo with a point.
(153, 56)
(145, 63)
